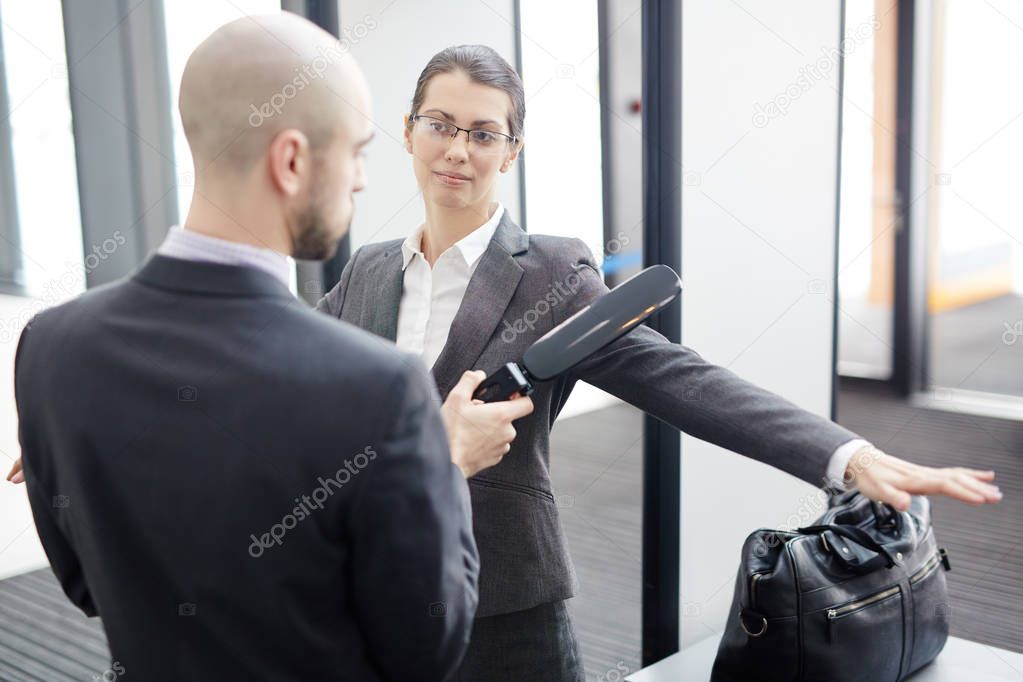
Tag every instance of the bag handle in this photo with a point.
(887, 517)
(857, 535)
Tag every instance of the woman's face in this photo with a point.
(455, 173)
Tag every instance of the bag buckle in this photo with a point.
(742, 623)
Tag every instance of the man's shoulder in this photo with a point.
(80, 310)
(334, 337)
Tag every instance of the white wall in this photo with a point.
(758, 229)
(392, 43)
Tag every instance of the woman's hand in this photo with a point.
(479, 434)
(16, 475)
(884, 478)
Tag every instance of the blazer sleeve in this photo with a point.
(46, 505)
(334, 300)
(676, 385)
(415, 563)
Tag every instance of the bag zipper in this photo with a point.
(839, 611)
(753, 588)
(931, 564)
(922, 572)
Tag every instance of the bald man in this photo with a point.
(240, 487)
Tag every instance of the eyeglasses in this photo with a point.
(482, 141)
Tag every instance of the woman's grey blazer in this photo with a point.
(522, 287)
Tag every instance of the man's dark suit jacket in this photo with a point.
(523, 286)
(242, 488)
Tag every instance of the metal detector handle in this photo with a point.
(503, 384)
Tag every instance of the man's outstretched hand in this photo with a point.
(16, 475)
(884, 478)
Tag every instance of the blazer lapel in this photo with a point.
(385, 301)
(489, 292)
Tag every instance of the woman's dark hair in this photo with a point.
(482, 65)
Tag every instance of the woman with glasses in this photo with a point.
(469, 290)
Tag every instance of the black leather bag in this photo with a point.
(860, 595)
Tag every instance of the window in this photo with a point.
(46, 184)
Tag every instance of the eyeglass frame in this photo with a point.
(413, 118)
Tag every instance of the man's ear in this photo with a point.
(287, 160)
(408, 135)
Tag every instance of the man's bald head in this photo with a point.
(259, 75)
(277, 116)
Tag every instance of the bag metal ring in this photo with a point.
(763, 625)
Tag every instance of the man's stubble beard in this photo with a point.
(311, 237)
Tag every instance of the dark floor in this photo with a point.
(44, 637)
(596, 467)
(597, 470)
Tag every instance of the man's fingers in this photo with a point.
(16, 475)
